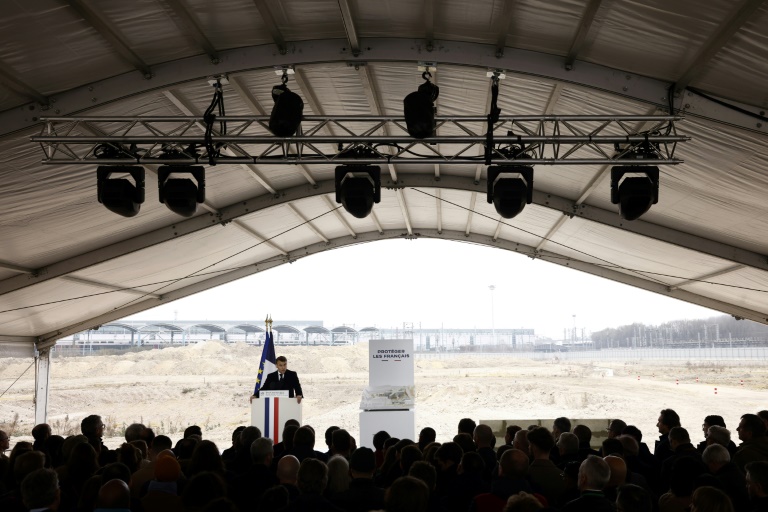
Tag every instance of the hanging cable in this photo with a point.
(210, 118)
(493, 118)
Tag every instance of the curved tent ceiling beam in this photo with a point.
(482, 56)
(257, 204)
(49, 339)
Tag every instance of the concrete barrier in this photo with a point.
(598, 426)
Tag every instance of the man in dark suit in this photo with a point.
(284, 379)
(40, 490)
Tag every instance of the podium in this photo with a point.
(271, 410)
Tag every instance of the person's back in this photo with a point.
(362, 494)
(545, 477)
(594, 475)
(312, 480)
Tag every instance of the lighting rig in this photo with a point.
(510, 147)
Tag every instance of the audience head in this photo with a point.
(616, 428)
(629, 445)
(426, 436)
(379, 438)
(262, 451)
(114, 494)
(710, 499)
(633, 431)
(92, 427)
(467, 426)
(715, 456)
(5, 441)
(612, 446)
(329, 435)
(682, 479)
(193, 430)
(40, 489)
(408, 455)
(568, 443)
(407, 494)
(130, 456)
(425, 472)
(206, 457)
(362, 463)
(202, 489)
(449, 454)
(236, 434)
(167, 468)
(559, 426)
(483, 436)
(750, 427)
(513, 464)
(522, 502)
(247, 437)
(342, 442)
(678, 436)
(618, 469)
(594, 474)
(710, 421)
(304, 437)
(133, 432)
(312, 476)
(667, 420)
(763, 415)
(160, 443)
(141, 445)
(185, 447)
(288, 469)
(41, 432)
(509, 433)
(757, 479)
(520, 441)
(584, 434)
(718, 435)
(338, 475)
(116, 470)
(274, 498)
(471, 464)
(541, 442)
(27, 463)
(148, 436)
(465, 442)
(633, 498)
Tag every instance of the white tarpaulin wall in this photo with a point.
(152, 57)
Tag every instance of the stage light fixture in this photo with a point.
(287, 112)
(181, 195)
(636, 193)
(120, 195)
(510, 188)
(419, 109)
(358, 187)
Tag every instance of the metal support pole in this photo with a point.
(42, 378)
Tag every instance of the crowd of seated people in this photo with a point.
(535, 469)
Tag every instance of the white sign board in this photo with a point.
(390, 363)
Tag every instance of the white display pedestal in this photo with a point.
(398, 423)
(271, 410)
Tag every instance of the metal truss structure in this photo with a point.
(343, 140)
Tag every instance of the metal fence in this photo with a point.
(738, 355)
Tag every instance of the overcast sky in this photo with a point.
(432, 283)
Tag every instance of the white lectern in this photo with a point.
(271, 410)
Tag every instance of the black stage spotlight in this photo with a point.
(634, 194)
(287, 112)
(510, 188)
(419, 109)
(181, 195)
(357, 188)
(119, 195)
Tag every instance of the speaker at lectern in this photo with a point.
(271, 410)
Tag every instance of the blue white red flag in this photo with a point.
(268, 362)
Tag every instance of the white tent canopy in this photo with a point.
(67, 264)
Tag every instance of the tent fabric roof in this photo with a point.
(67, 264)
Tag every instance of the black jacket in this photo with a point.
(290, 382)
